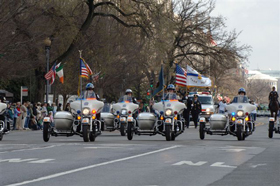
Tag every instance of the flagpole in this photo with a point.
(81, 80)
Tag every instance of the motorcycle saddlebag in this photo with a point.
(146, 121)
(108, 118)
(63, 120)
(218, 122)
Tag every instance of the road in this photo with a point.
(145, 161)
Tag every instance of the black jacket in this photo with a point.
(196, 107)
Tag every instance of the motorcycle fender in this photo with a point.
(239, 122)
(123, 119)
(85, 121)
(47, 119)
(202, 120)
(168, 121)
(271, 119)
(130, 119)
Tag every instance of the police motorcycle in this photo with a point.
(83, 120)
(236, 122)
(123, 112)
(166, 121)
(3, 120)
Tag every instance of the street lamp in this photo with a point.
(47, 43)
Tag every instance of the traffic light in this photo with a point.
(148, 93)
(151, 82)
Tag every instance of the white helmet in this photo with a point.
(128, 91)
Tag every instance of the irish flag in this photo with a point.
(59, 72)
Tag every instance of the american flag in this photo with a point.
(51, 74)
(181, 76)
(85, 69)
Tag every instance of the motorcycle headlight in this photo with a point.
(86, 111)
(124, 112)
(240, 113)
(168, 112)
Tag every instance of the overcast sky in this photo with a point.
(259, 21)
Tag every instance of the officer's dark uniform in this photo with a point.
(187, 111)
(273, 95)
(195, 110)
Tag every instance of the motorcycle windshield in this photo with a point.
(170, 97)
(89, 95)
(240, 99)
(125, 99)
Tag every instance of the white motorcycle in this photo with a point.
(166, 121)
(123, 112)
(83, 120)
(237, 123)
(3, 124)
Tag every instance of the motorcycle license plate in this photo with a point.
(123, 119)
(239, 121)
(168, 120)
(85, 120)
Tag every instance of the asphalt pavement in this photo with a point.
(25, 159)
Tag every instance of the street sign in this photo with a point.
(24, 91)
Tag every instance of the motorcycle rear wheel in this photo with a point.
(46, 133)
(270, 129)
(86, 133)
(168, 132)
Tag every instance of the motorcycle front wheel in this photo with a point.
(46, 133)
(129, 131)
(168, 132)
(270, 129)
(239, 133)
(122, 130)
(86, 133)
(92, 134)
(201, 131)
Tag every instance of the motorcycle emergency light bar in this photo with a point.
(93, 111)
(79, 117)
(175, 112)
(78, 112)
(93, 117)
(246, 119)
(129, 112)
(233, 114)
(233, 118)
(247, 113)
(161, 118)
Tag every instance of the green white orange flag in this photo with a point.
(59, 72)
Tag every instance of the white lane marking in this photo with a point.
(233, 150)
(17, 160)
(91, 166)
(221, 164)
(190, 163)
(37, 148)
(41, 161)
(102, 147)
(254, 166)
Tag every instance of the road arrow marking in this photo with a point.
(41, 161)
(220, 164)
(254, 166)
(191, 163)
